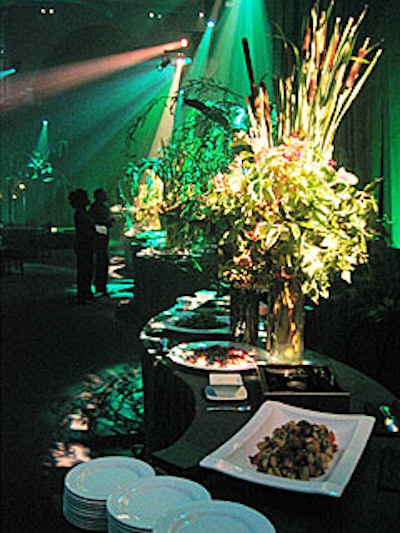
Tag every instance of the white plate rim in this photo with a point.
(335, 479)
(142, 468)
(240, 394)
(118, 514)
(255, 351)
(168, 324)
(257, 521)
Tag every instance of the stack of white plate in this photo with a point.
(138, 506)
(88, 485)
(216, 516)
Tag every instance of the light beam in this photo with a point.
(166, 124)
(59, 79)
(241, 19)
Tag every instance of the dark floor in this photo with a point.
(51, 350)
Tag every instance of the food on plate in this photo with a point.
(217, 357)
(296, 450)
(201, 321)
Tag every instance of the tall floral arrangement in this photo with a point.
(285, 208)
(187, 162)
(289, 218)
(140, 190)
(172, 184)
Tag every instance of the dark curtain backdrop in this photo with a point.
(368, 140)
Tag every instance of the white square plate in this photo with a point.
(224, 386)
(351, 431)
(227, 380)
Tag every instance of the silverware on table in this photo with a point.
(237, 408)
(389, 419)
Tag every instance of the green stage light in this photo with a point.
(164, 64)
(242, 19)
(183, 61)
(8, 72)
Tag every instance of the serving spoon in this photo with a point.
(238, 408)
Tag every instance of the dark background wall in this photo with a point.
(95, 144)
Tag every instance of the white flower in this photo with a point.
(343, 176)
(346, 276)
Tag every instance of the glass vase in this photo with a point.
(244, 315)
(171, 223)
(285, 323)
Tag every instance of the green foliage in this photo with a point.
(189, 161)
(287, 212)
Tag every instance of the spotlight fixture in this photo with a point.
(153, 15)
(210, 23)
(8, 72)
(45, 122)
(201, 14)
(47, 11)
(184, 42)
(164, 63)
(182, 60)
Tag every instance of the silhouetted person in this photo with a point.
(84, 244)
(103, 221)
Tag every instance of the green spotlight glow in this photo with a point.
(43, 145)
(241, 19)
(392, 185)
(199, 64)
(96, 138)
(394, 213)
(8, 72)
(166, 124)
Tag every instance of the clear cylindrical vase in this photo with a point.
(285, 324)
(244, 315)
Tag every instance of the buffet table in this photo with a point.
(162, 274)
(180, 432)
